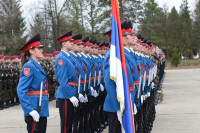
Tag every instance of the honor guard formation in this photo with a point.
(78, 78)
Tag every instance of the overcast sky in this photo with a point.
(176, 3)
(28, 6)
(170, 3)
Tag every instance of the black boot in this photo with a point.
(1, 105)
(57, 106)
(12, 102)
(17, 101)
(4, 105)
(8, 103)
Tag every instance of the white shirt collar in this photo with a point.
(88, 56)
(127, 49)
(73, 53)
(132, 50)
(100, 56)
(79, 54)
(83, 54)
(136, 53)
(65, 52)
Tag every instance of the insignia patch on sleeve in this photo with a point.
(60, 62)
(26, 72)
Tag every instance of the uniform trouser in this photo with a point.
(42, 125)
(66, 110)
(114, 124)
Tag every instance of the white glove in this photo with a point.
(101, 87)
(85, 99)
(95, 94)
(74, 101)
(152, 85)
(35, 115)
(92, 91)
(135, 109)
(81, 98)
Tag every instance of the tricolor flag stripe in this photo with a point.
(118, 72)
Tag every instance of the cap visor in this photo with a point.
(40, 46)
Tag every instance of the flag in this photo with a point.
(118, 72)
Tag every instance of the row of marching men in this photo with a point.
(142, 71)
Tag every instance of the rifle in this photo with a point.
(84, 86)
(149, 78)
(144, 81)
(139, 89)
(95, 75)
(79, 80)
(98, 81)
(38, 107)
(89, 81)
(99, 77)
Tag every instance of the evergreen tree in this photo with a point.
(186, 30)
(150, 22)
(196, 29)
(174, 30)
(12, 26)
(129, 9)
(175, 60)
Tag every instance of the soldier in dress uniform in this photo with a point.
(102, 114)
(30, 83)
(66, 76)
(111, 104)
(87, 73)
(78, 123)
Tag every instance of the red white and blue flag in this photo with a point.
(118, 72)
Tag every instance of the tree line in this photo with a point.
(176, 32)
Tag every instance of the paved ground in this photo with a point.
(179, 112)
(12, 120)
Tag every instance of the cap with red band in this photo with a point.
(33, 42)
(102, 45)
(85, 41)
(66, 37)
(108, 33)
(77, 39)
